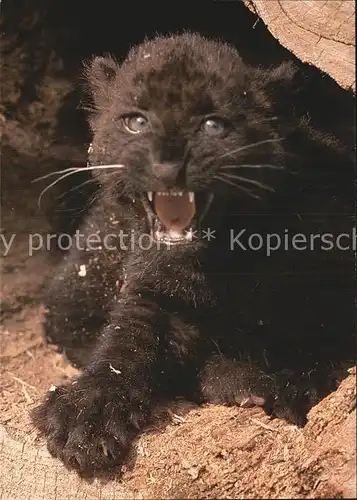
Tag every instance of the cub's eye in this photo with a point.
(213, 126)
(135, 124)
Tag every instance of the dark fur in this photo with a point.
(203, 321)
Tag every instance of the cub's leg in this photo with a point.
(90, 423)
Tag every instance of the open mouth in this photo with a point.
(174, 216)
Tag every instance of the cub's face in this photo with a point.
(188, 124)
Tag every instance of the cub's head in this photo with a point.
(185, 125)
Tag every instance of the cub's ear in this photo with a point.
(283, 75)
(99, 73)
(284, 87)
(103, 68)
(284, 80)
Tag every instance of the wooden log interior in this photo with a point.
(318, 32)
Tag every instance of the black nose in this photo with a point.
(167, 173)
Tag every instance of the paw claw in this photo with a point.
(247, 403)
(251, 401)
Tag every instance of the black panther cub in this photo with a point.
(169, 292)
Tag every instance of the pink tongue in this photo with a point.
(175, 212)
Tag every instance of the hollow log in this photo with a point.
(318, 32)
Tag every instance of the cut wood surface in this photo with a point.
(318, 32)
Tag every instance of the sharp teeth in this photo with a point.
(191, 196)
(189, 234)
(150, 195)
(172, 193)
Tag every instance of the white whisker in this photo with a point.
(240, 188)
(249, 146)
(77, 169)
(51, 174)
(271, 119)
(70, 171)
(249, 181)
(89, 181)
(51, 185)
(267, 165)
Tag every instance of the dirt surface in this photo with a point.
(207, 452)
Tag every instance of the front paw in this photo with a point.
(88, 425)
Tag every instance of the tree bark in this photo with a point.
(318, 32)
